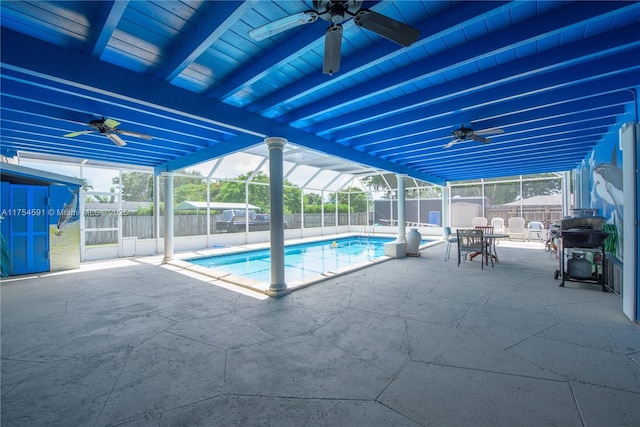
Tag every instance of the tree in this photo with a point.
(385, 182)
(291, 198)
(191, 192)
(234, 191)
(352, 196)
(311, 199)
(136, 186)
(106, 199)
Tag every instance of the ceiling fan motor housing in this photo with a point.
(462, 132)
(334, 11)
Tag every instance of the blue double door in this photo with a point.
(28, 229)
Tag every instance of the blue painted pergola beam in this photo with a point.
(522, 77)
(141, 89)
(429, 29)
(443, 112)
(491, 45)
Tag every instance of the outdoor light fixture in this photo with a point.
(283, 24)
(116, 139)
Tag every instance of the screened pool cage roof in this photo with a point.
(305, 168)
(555, 78)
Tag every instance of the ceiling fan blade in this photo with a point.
(82, 132)
(478, 138)
(283, 24)
(388, 28)
(116, 139)
(493, 131)
(450, 143)
(135, 134)
(332, 47)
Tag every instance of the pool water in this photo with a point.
(301, 261)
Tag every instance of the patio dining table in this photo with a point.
(492, 237)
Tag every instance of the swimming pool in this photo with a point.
(302, 261)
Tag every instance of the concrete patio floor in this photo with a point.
(408, 342)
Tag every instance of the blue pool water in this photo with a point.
(301, 261)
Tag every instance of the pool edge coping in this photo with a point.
(264, 287)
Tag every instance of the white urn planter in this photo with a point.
(413, 242)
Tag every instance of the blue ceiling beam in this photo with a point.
(80, 107)
(146, 91)
(451, 18)
(109, 152)
(105, 25)
(439, 139)
(567, 156)
(263, 65)
(556, 114)
(53, 130)
(553, 160)
(305, 37)
(533, 72)
(543, 90)
(608, 102)
(218, 20)
(111, 81)
(537, 141)
(509, 38)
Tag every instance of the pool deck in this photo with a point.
(408, 342)
(180, 261)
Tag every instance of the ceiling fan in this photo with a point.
(464, 133)
(336, 12)
(108, 128)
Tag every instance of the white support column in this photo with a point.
(168, 216)
(402, 225)
(566, 193)
(629, 139)
(278, 285)
(208, 215)
(398, 248)
(119, 217)
(156, 210)
(301, 212)
(445, 206)
(336, 217)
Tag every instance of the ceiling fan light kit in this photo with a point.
(336, 12)
(283, 24)
(116, 139)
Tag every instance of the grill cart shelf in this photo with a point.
(580, 238)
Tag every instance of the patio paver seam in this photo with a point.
(575, 400)
(489, 371)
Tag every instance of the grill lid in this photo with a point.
(583, 223)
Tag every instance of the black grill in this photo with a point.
(583, 233)
(584, 238)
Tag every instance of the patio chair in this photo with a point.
(479, 221)
(535, 230)
(471, 242)
(516, 227)
(498, 225)
(450, 239)
(489, 243)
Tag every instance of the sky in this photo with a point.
(101, 179)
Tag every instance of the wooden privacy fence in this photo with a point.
(543, 213)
